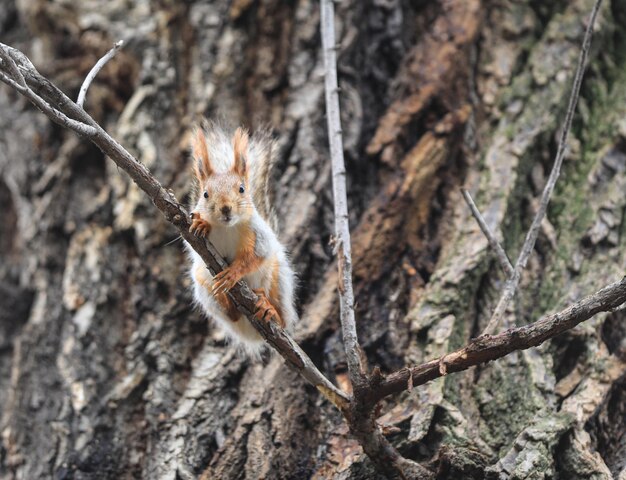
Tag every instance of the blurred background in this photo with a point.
(108, 372)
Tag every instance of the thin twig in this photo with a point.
(487, 347)
(342, 228)
(94, 71)
(501, 255)
(531, 236)
(165, 201)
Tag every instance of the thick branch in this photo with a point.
(531, 236)
(487, 348)
(165, 201)
(493, 241)
(94, 71)
(342, 229)
(382, 453)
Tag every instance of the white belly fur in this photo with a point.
(240, 333)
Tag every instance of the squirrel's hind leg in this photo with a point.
(204, 281)
(268, 305)
(228, 306)
(265, 309)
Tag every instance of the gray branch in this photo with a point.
(55, 115)
(9, 66)
(531, 236)
(94, 71)
(342, 228)
(361, 416)
(505, 263)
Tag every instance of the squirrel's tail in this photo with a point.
(262, 160)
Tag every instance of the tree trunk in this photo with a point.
(106, 369)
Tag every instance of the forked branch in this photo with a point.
(531, 236)
(501, 255)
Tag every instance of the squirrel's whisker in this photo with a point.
(172, 241)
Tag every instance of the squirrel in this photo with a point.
(234, 211)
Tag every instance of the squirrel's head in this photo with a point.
(224, 198)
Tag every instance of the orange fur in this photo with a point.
(229, 307)
(202, 163)
(224, 300)
(240, 146)
(274, 296)
(199, 226)
(245, 261)
(265, 309)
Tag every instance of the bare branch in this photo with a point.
(56, 116)
(242, 295)
(95, 70)
(531, 236)
(342, 228)
(9, 66)
(487, 347)
(360, 417)
(493, 241)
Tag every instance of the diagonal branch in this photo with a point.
(487, 348)
(531, 236)
(165, 201)
(95, 70)
(505, 263)
(342, 228)
(56, 116)
(9, 66)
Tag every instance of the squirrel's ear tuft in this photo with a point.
(240, 146)
(201, 162)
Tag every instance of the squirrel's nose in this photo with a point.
(226, 209)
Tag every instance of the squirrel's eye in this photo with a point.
(241, 189)
(206, 194)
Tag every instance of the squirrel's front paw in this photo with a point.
(199, 226)
(224, 281)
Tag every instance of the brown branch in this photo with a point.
(62, 110)
(95, 70)
(501, 255)
(491, 347)
(531, 236)
(342, 228)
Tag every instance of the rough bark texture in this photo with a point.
(106, 371)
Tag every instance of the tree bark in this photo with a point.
(106, 369)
